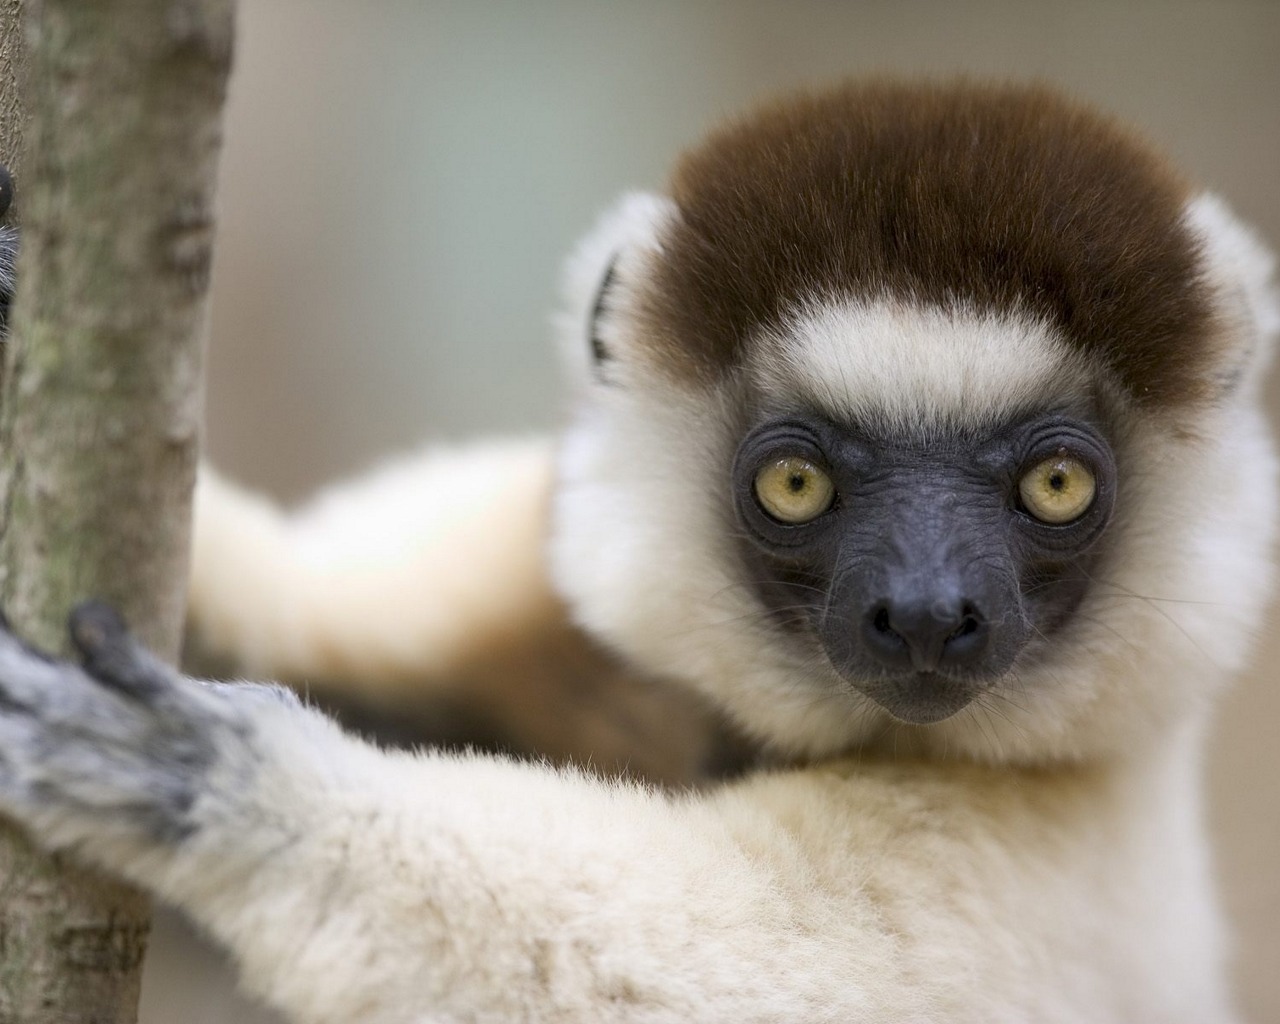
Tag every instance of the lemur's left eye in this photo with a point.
(1058, 490)
(793, 490)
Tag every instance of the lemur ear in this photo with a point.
(1239, 268)
(597, 277)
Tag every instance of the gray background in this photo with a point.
(402, 179)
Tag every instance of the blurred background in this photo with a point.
(402, 179)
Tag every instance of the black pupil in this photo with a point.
(796, 482)
(1058, 481)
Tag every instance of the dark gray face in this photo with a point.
(922, 571)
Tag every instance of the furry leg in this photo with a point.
(381, 581)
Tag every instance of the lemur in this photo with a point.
(917, 429)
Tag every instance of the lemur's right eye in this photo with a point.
(793, 490)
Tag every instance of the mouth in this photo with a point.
(922, 698)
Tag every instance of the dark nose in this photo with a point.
(925, 634)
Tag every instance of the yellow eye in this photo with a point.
(793, 490)
(1058, 490)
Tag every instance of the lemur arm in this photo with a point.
(356, 885)
(416, 601)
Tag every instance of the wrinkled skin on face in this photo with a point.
(926, 576)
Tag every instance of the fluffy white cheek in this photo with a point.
(644, 549)
(639, 539)
(1169, 617)
(1214, 562)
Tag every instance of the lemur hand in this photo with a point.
(123, 754)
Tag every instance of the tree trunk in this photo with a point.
(98, 429)
(13, 67)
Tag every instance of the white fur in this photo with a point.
(628, 233)
(908, 370)
(354, 885)
(381, 584)
(1044, 862)
(1241, 270)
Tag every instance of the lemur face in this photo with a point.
(922, 570)
(925, 497)
(925, 414)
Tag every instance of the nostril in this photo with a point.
(970, 623)
(882, 638)
(925, 635)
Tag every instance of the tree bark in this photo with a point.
(101, 404)
(13, 68)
